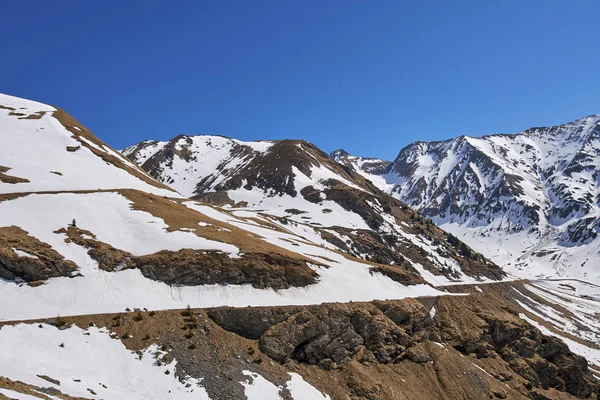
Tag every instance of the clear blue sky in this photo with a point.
(368, 76)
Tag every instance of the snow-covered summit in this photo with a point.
(527, 200)
(293, 180)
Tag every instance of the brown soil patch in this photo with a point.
(178, 216)
(4, 177)
(35, 391)
(390, 348)
(35, 115)
(48, 263)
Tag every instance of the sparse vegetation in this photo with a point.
(187, 312)
(59, 322)
(118, 321)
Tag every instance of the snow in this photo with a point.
(210, 154)
(567, 313)
(89, 359)
(107, 215)
(300, 389)
(11, 394)
(258, 388)
(82, 359)
(46, 140)
(22, 253)
(276, 205)
(556, 166)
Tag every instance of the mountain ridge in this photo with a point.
(537, 188)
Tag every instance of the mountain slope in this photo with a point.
(130, 244)
(294, 181)
(530, 201)
(45, 149)
(100, 235)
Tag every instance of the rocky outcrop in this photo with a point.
(26, 258)
(331, 336)
(486, 327)
(200, 267)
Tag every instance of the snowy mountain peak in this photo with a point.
(528, 200)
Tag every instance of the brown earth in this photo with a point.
(47, 264)
(382, 350)
(4, 177)
(79, 131)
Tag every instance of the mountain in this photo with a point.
(114, 286)
(84, 230)
(529, 201)
(292, 180)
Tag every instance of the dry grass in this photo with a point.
(220, 356)
(178, 216)
(5, 178)
(79, 131)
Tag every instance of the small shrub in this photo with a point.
(118, 321)
(125, 335)
(188, 335)
(147, 337)
(167, 372)
(187, 312)
(59, 322)
(138, 317)
(152, 313)
(192, 346)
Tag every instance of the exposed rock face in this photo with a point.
(24, 257)
(197, 267)
(362, 165)
(488, 327)
(535, 192)
(332, 333)
(388, 332)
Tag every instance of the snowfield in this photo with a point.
(528, 201)
(36, 149)
(109, 216)
(75, 356)
(209, 154)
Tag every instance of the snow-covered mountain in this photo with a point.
(294, 181)
(372, 169)
(324, 286)
(529, 201)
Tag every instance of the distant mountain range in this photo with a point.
(529, 201)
